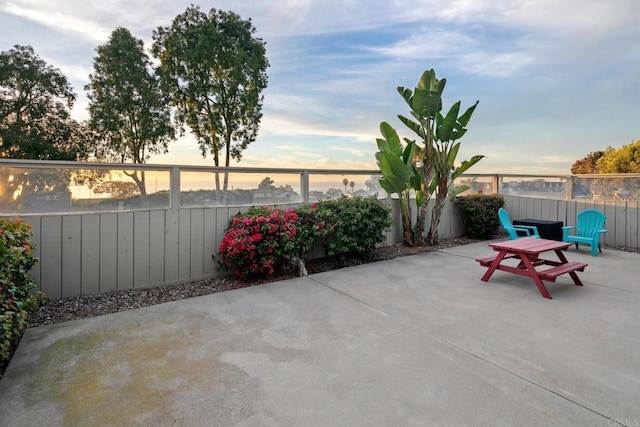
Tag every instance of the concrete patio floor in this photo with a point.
(418, 340)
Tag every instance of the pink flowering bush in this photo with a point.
(260, 242)
(263, 241)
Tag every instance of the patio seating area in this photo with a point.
(419, 340)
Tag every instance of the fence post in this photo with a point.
(174, 188)
(568, 188)
(304, 186)
(496, 184)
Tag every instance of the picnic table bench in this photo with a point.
(527, 251)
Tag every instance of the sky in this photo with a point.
(556, 79)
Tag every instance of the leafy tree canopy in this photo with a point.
(588, 164)
(35, 103)
(127, 107)
(625, 159)
(266, 184)
(215, 70)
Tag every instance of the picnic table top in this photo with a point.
(529, 245)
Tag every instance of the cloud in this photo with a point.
(549, 73)
(297, 152)
(358, 152)
(458, 50)
(58, 21)
(284, 125)
(494, 65)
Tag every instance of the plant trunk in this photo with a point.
(405, 209)
(428, 168)
(441, 197)
(227, 162)
(142, 188)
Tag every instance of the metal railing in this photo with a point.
(29, 186)
(91, 241)
(34, 186)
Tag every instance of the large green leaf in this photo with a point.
(389, 185)
(392, 138)
(408, 153)
(426, 79)
(465, 166)
(402, 170)
(383, 145)
(430, 83)
(451, 156)
(451, 127)
(446, 125)
(394, 168)
(426, 103)
(419, 197)
(454, 191)
(464, 119)
(413, 126)
(459, 133)
(406, 94)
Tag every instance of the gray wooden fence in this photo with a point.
(622, 217)
(84, 254)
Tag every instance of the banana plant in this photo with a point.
(399, 174)
(437, 150)
(449, 128)
(425, 103)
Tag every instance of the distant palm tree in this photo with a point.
(352, 184)
(345, 182)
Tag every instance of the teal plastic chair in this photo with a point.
(512, 230)
(588, 231)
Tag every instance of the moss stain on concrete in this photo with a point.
(101, 379)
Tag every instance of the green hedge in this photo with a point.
(17, 288)
(357, 225)
(263, 241)
(480, 215)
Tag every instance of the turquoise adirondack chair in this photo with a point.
(588, 231)
(512, 230)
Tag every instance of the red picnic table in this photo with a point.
(527, 250)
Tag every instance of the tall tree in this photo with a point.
(35, 123)
(266, 184)
(625, 159)
(127, 106)
(215, 70)
(588, 164)
(35, 103)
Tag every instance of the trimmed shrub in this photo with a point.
(17, 288)
(480, 214)
(262, 241)
(357, 225)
